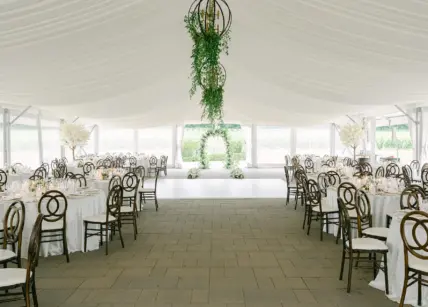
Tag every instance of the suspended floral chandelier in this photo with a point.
(212, 14)
(208, 23)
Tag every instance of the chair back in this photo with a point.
(46, 167)
(107, 163)
(156, 179)
(323, 182)
(366, 167)
(41, 171)
(414, 234)
(287, 176)
(407, 175)
(313, 193)
(364, 214)
(130, 182)
(88, 167)
(415, 165)
(424, 178)
(35, 178)
(411, 197)
(392, 170)
(345, 223)
(132, 162)
(69, 175)
(334, 178)
(309, 165)
(13, 226)
(3, 179)
(114, 201)
(80, 179)
(115, 180)
(348, 193)
(380, 172)
(153, 162)
(53, 205)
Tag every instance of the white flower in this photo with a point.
(351, 135)
(193, 173)
(237, 173)
(73, 135)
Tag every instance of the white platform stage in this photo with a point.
(221, 188)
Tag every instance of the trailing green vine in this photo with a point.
(206, 71)
(204, 161)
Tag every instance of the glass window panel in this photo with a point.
(24, 142)
(156, 141)
(51, 140)
(116, 140)
(273, 143)
(314, 140)
(394, 141)
(216, 149)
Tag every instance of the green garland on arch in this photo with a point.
(204, 161)
(207, 72)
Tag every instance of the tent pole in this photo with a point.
(40, 137)
(254, 146)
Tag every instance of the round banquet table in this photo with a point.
(396, 265)
(79, 207)
(381, 205)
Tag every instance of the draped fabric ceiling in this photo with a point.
(291, 62)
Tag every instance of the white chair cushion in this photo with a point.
(6, 254)
(367, 244)
(11, 277)
(101, 218)
(326, 209)
(126, 209)
(52, 225)
(381, 232)
(418, 264)
(147, 190)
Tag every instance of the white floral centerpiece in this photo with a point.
(193, 173)
(73, 135)
(352, 135)
(237, 173)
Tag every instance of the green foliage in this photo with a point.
(207, 72)
(397, 128)
(204, 159)
(382, 143)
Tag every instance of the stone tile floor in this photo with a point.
(209, 253)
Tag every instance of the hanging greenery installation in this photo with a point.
(208, 24)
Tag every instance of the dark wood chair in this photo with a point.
(53, 205)
(13, 225)
(150, 193)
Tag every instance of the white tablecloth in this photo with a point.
(78, 209)
(396, 267)
(75, 169)
(381, 205)
(18, 177)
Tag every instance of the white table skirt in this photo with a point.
(78, 209)
(396, 267)
(381, 205)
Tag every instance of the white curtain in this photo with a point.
(423, 122)
(178, 156)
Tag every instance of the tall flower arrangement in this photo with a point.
(351, 136)
(74, 135)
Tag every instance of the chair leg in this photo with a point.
(119, 227)
(107, 225)
(135, 227)
(288, 195)
(309, 221)
(86, 237)
(405, 285)
(339, 232)
(350, 272)
(321, 227)
(419, 290)
(296, 197)
(34, 293)
(342, 265)
(385, 268)
(65, 244)
(156, 203)
(374, 265)
(305, 217)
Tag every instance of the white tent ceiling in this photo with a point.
(291, 62)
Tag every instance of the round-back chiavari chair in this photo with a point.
(380, 172)
(411, 197)
(88, 168)
(3, 180)
(309, 165)
(392, 170)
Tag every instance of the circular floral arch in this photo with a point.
(203, 152)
